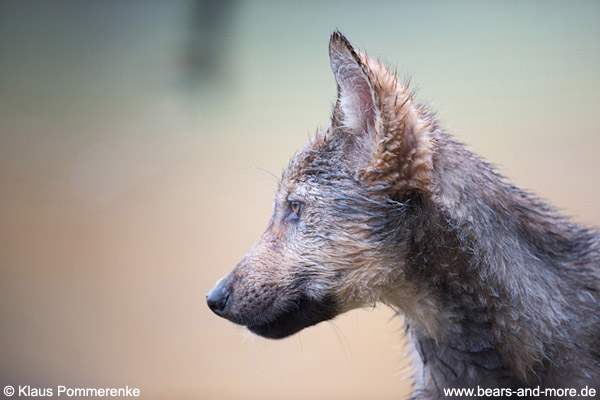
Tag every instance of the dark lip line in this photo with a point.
(275, 321)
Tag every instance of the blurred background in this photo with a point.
(135, 137)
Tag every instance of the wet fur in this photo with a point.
(497, 288)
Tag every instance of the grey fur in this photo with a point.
(497, 288)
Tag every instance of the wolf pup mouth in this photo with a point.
(301, 314)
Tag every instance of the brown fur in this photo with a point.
(498, 289)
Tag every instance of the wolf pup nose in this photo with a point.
(217, 299)
(497, 288)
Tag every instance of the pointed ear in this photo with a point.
(388, 140)
(355, 107)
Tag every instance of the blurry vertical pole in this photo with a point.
(204, 53)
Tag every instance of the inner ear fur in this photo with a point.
(388, 139)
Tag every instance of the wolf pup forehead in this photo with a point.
(497, 288)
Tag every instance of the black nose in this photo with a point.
(217, 299)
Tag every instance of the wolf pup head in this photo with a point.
(345, 198)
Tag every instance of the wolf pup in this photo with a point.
(498, 290)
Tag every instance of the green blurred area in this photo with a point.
(133, 136)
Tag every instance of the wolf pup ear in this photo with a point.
(355, 107)
(388, 139)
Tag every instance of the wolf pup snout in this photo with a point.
(497, 288)
(270, 306)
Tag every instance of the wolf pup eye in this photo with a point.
(295, 209)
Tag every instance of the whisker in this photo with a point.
(346, 348)
(261, 169)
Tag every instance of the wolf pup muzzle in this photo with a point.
(296, 315)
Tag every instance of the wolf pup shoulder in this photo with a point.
(498, 290)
